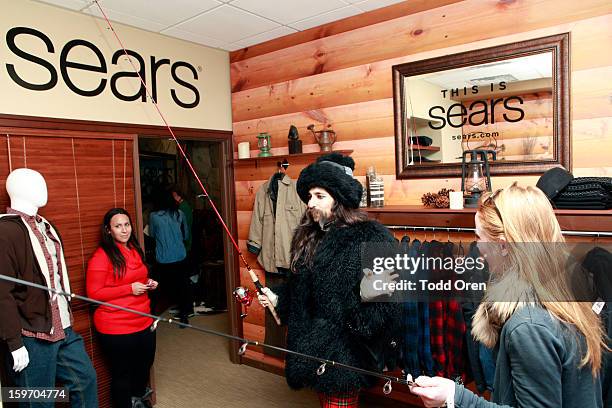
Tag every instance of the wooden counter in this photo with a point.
(570, 220)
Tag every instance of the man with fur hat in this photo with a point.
(321, 303)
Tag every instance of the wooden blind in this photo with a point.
(86, 174)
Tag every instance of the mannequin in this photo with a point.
(27, 201)
(36, 325)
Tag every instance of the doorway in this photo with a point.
(163, 170)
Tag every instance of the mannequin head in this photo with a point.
(27, 190)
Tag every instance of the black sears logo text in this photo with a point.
(66, 64)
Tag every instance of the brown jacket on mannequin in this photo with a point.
(20, 306)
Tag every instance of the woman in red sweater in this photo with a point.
(116, 274)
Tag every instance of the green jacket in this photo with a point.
(537, 366)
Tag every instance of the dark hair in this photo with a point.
(308, 234)
(110, 247)
(176, 189)
(163, 201)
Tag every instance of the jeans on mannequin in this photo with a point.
(65, 361)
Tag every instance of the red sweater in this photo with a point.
(102, 285)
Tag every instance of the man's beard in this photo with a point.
(320, 218)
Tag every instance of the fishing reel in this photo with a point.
(244, 297)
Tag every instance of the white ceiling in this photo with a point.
(225, 24)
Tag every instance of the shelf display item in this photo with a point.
(376, 188)
(295, 144)
(244, 150)
(475, 175)
(264, 144)
(325, 138)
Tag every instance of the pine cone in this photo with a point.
(442, 202)
(445, 192)
(437, 200)
(428, 199)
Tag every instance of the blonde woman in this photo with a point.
(549, 351)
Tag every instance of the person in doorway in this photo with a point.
(185, 207)
(35, 324)
(191, 260)
(321, 303)
(117, 274)
(168, 226)
(549, 349)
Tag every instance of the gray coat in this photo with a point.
(538, 360)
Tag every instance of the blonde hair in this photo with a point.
(524, 215)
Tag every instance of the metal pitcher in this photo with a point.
(325, 138)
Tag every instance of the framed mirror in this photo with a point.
(513, 99)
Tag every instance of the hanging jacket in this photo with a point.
(424, 334)
(270, 233)
(437, 315)
(454, 326)
(410, 320)
(481, 364)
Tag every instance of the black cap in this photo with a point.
(554, 181)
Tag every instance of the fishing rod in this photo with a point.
(252, 273)
(387, 388)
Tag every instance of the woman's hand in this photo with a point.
(268, 298)
(139, 288)
(434, 391)
(152, 284)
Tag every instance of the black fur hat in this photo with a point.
(334, 173)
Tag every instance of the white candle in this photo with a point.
(456, 200)
(244, 151)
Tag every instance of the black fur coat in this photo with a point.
(325, 316)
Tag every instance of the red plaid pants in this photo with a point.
(339, 400)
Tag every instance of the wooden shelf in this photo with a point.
(420, 216)
(425, 163)
(295, 157)
(416, 148)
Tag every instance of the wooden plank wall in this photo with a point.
(86, 175)
(340, 74)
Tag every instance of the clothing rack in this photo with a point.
(597, 234)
